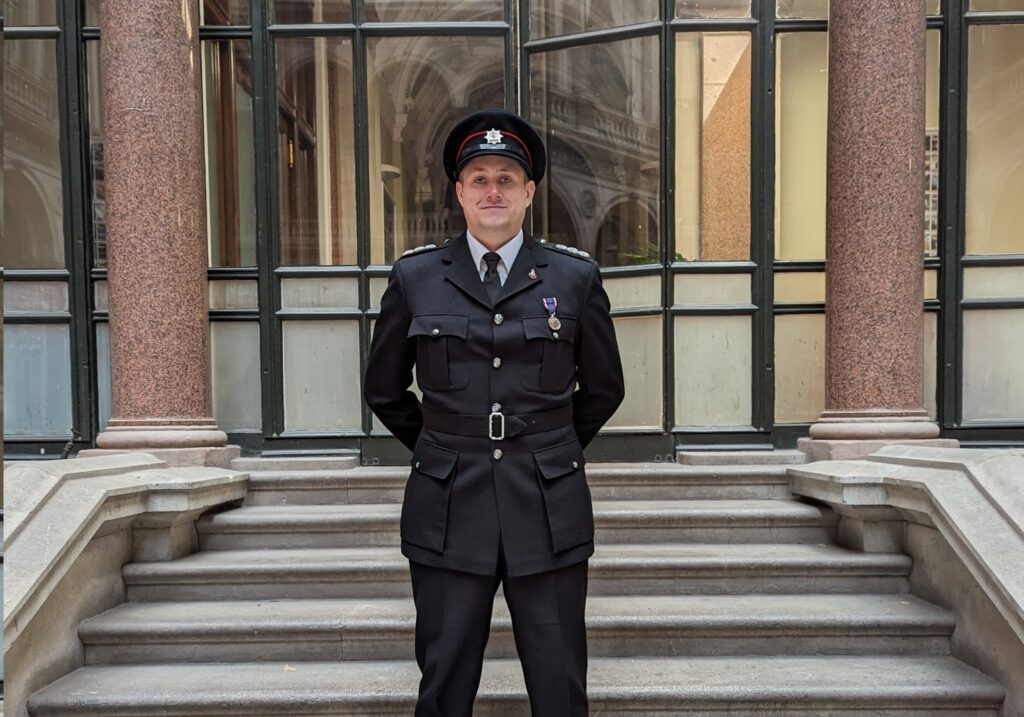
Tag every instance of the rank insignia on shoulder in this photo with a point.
(407, 252)
(567, 249)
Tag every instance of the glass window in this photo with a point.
(713, 371)
(37, 381)
(694, 9)
(801, 111)
(33, 192)
(30, 12)
(931, 144)
(230, 162)
(304, 11)
(597, 107)
(640, 349)
(995, 140)
(224, 12)
(321, 376)
(98, 193)
(998, 5)
(316, 151)
(418, 88)
(432, 11)
(802, 8)
(549, 18)
(712, 172)
(993, 382)
(799, 367)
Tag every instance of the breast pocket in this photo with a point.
(435, 335)
(551, 362)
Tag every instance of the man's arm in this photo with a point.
(598, 367)
(389, 366)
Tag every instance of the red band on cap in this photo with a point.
(526, 149)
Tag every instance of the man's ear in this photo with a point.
(531, 187)
(458, 190)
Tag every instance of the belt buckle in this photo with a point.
(490, 425)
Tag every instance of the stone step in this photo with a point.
(382, 629)
(608, 481)
(725, 457)
(662, 521)
(649, 569)
(248, 464)
(838, 686)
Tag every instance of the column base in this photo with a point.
(818, 449)
(216, 456)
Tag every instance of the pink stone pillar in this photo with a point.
(875, 230)
(156, 231)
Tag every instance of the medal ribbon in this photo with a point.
(551, 304)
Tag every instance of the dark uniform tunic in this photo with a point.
(470, 496)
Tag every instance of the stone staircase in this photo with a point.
(711, 592)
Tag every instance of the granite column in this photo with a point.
(875, 230)
(156, 233)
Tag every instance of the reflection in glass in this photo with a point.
(230, 162)
(597, 107)
(315, 152)
(549, 18)
(420, 11)
(418, 88)
(97, 187)
(33, 195)
(995, 140)
(303, 11)
(712, 146)
(801, 109)
(224, 12)
(695, 9)
(30, 12)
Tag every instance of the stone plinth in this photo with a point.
(156, 228)
(875, 253)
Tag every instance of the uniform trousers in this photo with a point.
(453, 620)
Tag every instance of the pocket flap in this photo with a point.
(439, 325)
(536, 327)
(433, 460)
(559, 460)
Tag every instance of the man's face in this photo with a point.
(494, 193)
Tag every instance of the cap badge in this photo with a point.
(493, 136)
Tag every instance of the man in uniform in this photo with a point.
(515, 355)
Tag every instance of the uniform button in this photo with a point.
(496, 407)
(435, 332)
(575, 464)
(496, 363)
(498, 318)
(417, 464)
(497, 454)
(553, 333)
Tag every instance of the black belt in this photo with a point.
(496, 425)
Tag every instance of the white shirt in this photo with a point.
(508, 252)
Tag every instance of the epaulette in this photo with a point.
(567, 249)
(418, 249)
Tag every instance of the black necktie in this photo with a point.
(491, 281)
